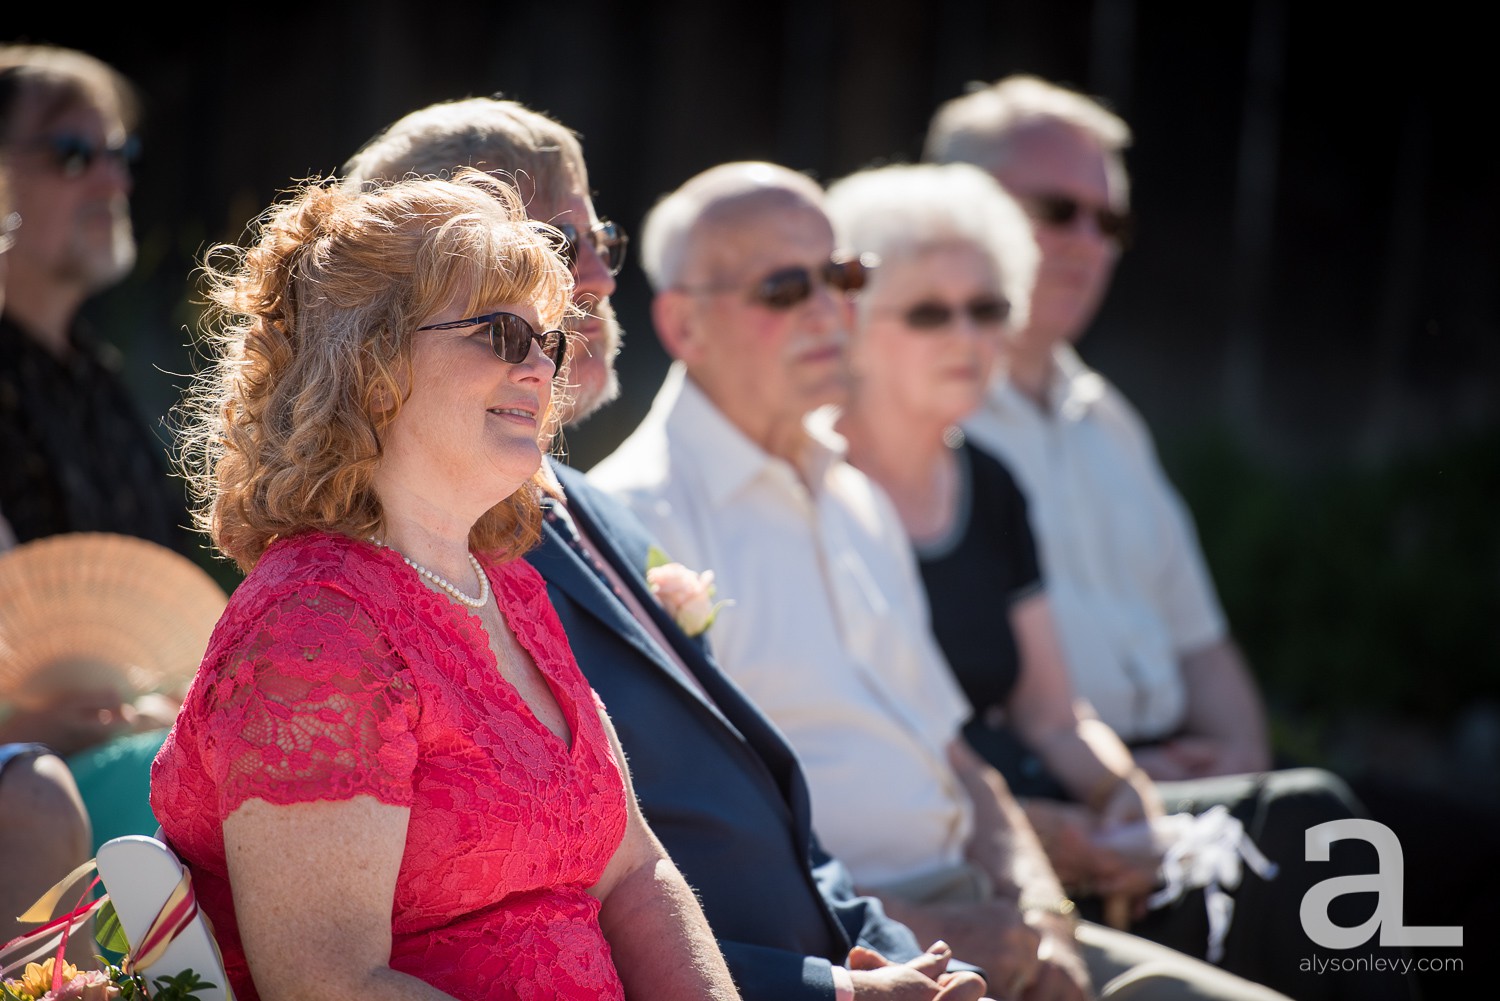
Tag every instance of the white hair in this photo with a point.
(713, 195)
(900, 211)
(978, 127)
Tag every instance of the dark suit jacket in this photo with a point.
(717, 782)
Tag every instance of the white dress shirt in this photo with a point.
(827, 626)
(1124, 572)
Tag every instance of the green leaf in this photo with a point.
(180, 988)
(656, 558)
(107, 930)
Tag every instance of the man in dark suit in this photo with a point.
(718, 784)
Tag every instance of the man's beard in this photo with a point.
(589, 400)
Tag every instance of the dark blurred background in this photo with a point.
(1307, 319)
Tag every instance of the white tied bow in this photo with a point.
(1202, 851)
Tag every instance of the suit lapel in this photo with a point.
(624, 544)
(562, 567)
(556, 561)
(627, 552)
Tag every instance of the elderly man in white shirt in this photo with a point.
(826, 631)
(1139, 616)
(735, 469)
(1146, 640)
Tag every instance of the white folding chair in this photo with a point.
(141, 874)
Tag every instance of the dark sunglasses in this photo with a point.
(987, 311)
(511, 337)
(1061, 211)
(787, 288)
(74, 155)
(609, 240)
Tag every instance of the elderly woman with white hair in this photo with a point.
(957, 262)
(957, 265)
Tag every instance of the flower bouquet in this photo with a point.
(45, 981)
(55, 979)
(36, 984)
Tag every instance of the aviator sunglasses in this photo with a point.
(511, 337)
(985, 311)
(74, 155)
(787, 288)
(1061, 211)
(609, 240)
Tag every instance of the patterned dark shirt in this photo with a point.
(75, 456)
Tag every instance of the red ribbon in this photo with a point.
(179, 910)
(37, 942)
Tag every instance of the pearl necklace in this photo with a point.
(442, 582)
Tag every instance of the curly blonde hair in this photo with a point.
(309, 333)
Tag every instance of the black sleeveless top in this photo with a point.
(972, 578)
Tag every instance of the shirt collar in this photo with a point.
(1074, 391)
(727, 460)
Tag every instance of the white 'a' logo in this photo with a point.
(1388, 884)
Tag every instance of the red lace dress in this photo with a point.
(335, 673)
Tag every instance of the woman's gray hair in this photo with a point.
(897, 212)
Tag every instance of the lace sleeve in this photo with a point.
(312, 704)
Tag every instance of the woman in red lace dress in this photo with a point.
(389, 778)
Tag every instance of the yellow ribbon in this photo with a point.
(176, 913)
(41, 911)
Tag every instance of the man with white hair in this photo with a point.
(734, 469)
(77, 456)
(1146, 640)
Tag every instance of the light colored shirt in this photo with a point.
(1126, 578)
(827, 628)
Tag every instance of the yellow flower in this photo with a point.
(36, 984)
(37, 980)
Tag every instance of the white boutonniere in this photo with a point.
(687, 596)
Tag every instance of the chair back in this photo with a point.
(142, 876)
